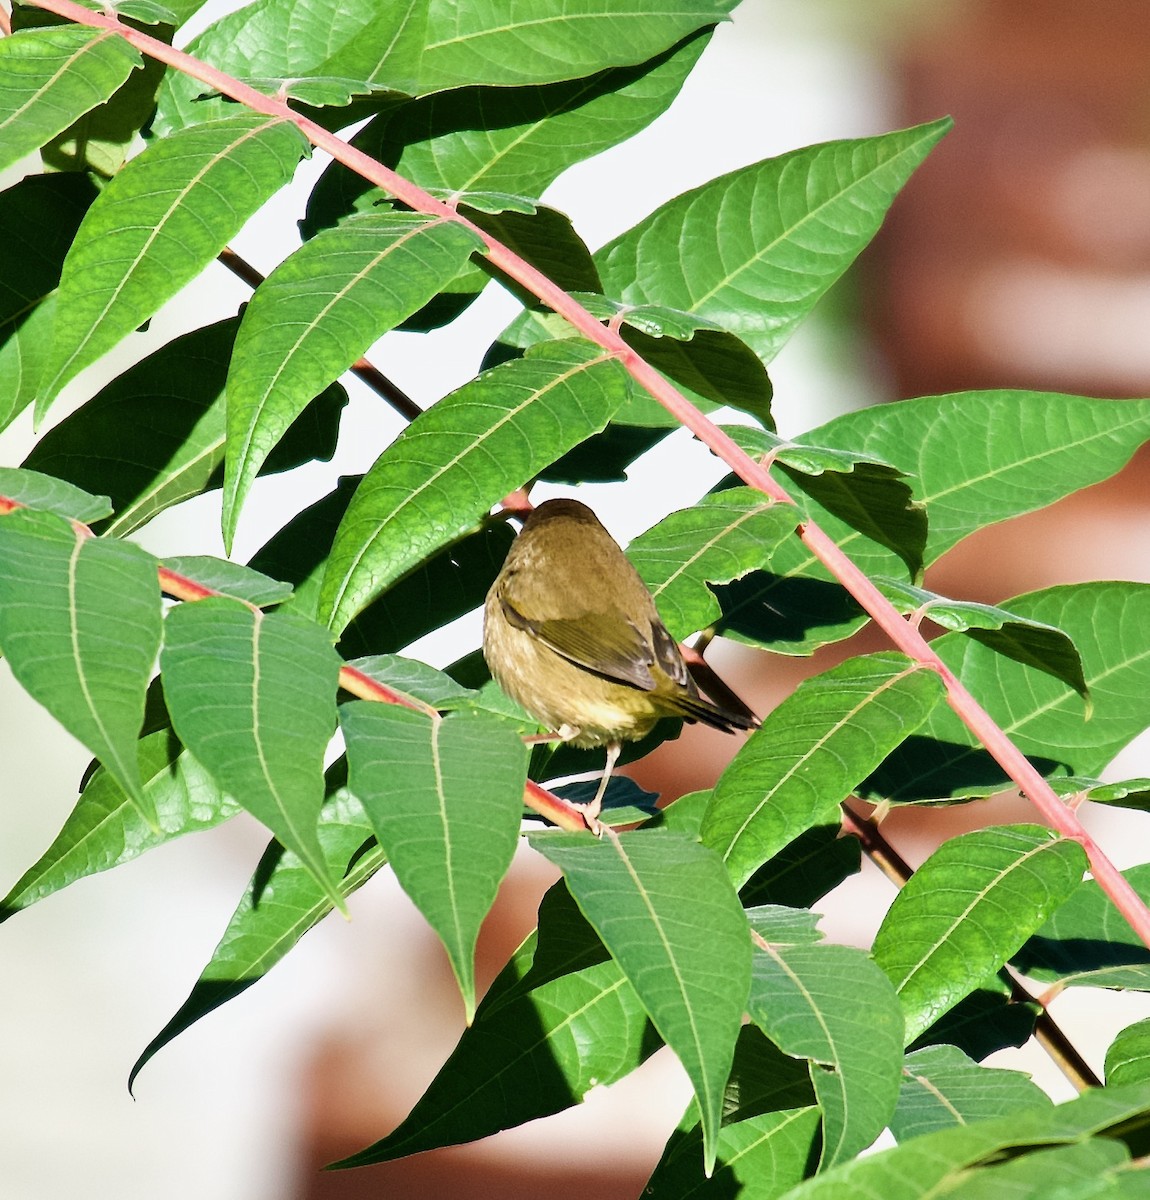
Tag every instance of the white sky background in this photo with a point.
(91, 974)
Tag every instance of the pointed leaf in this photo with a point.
(282, 902)
(559, 1020)
(51, 76)
(1087, 943)
(444, 796)
(252, 696)
(316, 314)
(34, 490)
(769, 1137)
(812, 750)
(460, 458)
(1034, 643)
(723, 537)
(667, 913)
(551, 40)
(941, 1087)
(967, 910)
(154, 436)
(527, 138)
(42, 211)
(759, 246)
(1044, 717)
(156, 225)
(80, 627)
(105, 829)
(832, 1005)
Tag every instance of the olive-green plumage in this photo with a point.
(570, 631)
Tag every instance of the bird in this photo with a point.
(571, 633)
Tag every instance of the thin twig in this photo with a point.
(362, 369)
(1047, 1032)
(907, 639)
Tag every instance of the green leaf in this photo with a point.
(1087, 943)
(1125, 793)
(444, 797)
(941, 1087)
(721, 538)
(51, 76)
(1034, 643)
(806, 869)
(1051, 445)
(1044, 717)
(46, 494)
(154, 436)
(1046, 445)
(552, 40)
(230, 579)
(759, 246)
(1128, 1056)
(967, 910)
(316, 314)
(832, 1005)
(665, 910)
(105, 829)
(80, 627)
(156, 225)
(461, 457)
(415, 679)
(282, 902)
(526, 139)
(1084, 1171)
(769, 1137)
(559, 1020)
(252, 696)
(810, 753)
(932, 1165)
(986, 1020)
(42, 211)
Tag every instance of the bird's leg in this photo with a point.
(591, 811)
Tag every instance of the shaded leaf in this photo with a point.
(810, 753)
(39, 217)
(760, 245)
(723, 537)
(941, 1087)
(154, 436)
(80, 627)
(444, 797)
(833, 1006)
(770, 1134)
(156, 225)
(1044, 717)
(282, 902)
(1087, 943)
(982, 1022)
(252, 696)
(967, 910)
(559, 1020)
(665, 910)
(453, 463)
(1033, 643)
(806, 869)
(50, 76)
(316, 314)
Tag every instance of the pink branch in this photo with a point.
(903, 635)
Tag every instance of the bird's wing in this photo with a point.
(598, 642)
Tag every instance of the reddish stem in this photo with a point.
(906, 638)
